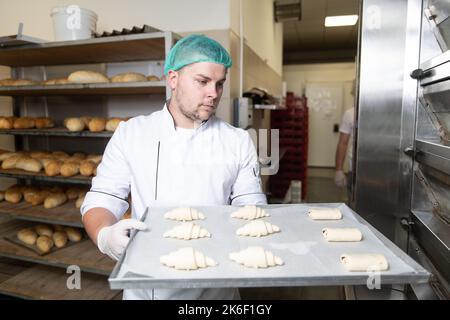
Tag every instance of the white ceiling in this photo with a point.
(308, 39)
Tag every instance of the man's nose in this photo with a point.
(213, 91)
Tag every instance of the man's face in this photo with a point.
(197, 89)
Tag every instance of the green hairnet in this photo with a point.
(196, 48)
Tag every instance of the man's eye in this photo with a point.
(202, 82)
(220, 84)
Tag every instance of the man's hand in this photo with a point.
(340, 179)
(112, 240)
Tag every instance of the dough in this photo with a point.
(27, 236)
(187, 231)
(42, 123)
(84, 76)
(364, 262)
(184, 214)
(256, 257)
(249, 213)
(44, 244)
(97, 124)
(129, 77)
(342, 234)
(325, 214)
(24, 123)
(113, 123)
(28, 164)
(257, 228)
(153, 78)
(187, 259)
(73, 234)
(60, 239)
(54, 200)
(44, 230)
(74, 124)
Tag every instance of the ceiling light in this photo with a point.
(338, 21)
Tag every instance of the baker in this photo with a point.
(181, 155)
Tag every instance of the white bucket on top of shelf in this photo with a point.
(73, 23)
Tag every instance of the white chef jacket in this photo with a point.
(347, 124)
(215, 165)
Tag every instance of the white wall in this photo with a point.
(173, 15)
(261, 33)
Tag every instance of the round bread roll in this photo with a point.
(6, 123)
(27, 236)
(29, 164)
(54, 200)
(84, 76)
(28, 191)
(2, 195)
(129, 77)
(73, 234)
(38, 198)
(45, 161)
(74, 124)
(42, 123)
(10, 162)
(44, 230)
(86, 120)
(97, 124)
(113, 123)
(24, 123)
(53, 168)
(153, 78)
(13, 194)
(60, 239)
(70, 168)
(44, 244)
(87, 168)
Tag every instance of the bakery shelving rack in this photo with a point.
(44, 277)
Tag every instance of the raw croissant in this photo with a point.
(257, 228)
(187, 259)
(256, 257)
(187, 231)
(184, 214)
(249, 213)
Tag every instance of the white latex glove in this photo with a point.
(340, 179)
(112, 240)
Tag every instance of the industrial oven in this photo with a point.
(401, 183)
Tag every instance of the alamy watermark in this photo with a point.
(74, 20)
(74, 281)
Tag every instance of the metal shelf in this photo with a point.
(433, 154)
(40, 176)
(148, 46)
(57, 132)
(150, 87)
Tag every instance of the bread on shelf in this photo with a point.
(128, 77)
(84, 76)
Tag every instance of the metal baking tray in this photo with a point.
(309, 259)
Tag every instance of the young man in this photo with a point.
(181, 155)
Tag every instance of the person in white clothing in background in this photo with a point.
(181, 155)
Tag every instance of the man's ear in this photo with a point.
(172, 79)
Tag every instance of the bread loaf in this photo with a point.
(129, 77)
(97, 124)
(44, 230)
(153, 78)
(24, 123)
(74, 124)
(44, 244)
(29, 164)
(24, 82)
(38, 154)
(60, 239)
(38, 198)
(56, 81)
(87, 168)
(72, 193)
(6, 155)
(54, 200)
(10, 163)
(86, 120)
(42, 123)
(84, 76)
(80, 201)
(73, 234)
(60, 155)
(53, 168)
(79, 156)
(96, 158)
(28, 191)
(27, 236)
(70, 168)
(58, 227)
(113, 123)
(55, 189)
(6, 123)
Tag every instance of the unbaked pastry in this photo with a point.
(184, 214)
(342, 234)
(256, 257)
(187, 231)
(257, 228)
(325, 214)
(364, 262)
(250, 213)
(187, 259)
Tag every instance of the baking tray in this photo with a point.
(309, 259)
